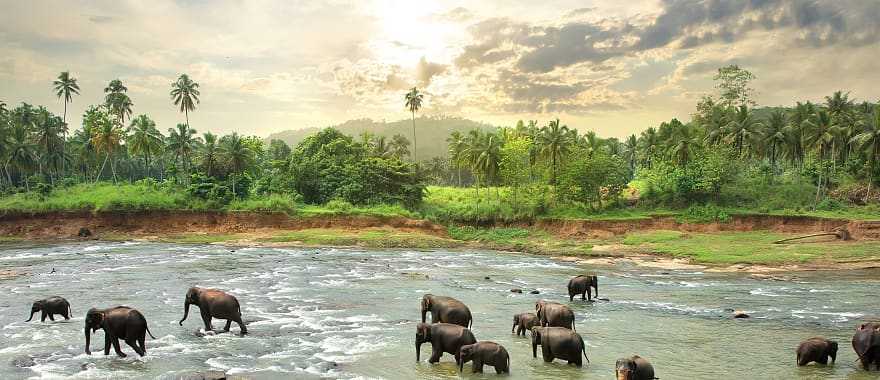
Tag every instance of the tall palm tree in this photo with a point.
(842, 111)
(185, 93)
(237, 155)
(182, 142)
(117, 100)
(630, 152)
(743, 130)
(591, 141)
(47, 129)
(775, 136)
(21, 153)
(414, 103)
(144, 139)
(66, 87)
(399, 146)
(106, 138)
(822, 133)
(869, 142)
(684, 140)
(555, 143)
(209, 154)
(456, 152)
(797, 119)
(649, 144)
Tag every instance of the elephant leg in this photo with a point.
(66, 315)
(546, 353)
(228, 323)
(131, 342)
(584, 294)
(142, 342)
(240, 325)
(589, 294)
(477, 367)
(115, 341)
(43, 317)
(51, 317)
(206, 317)
(570, 297)
(435, 354)
(106, 343)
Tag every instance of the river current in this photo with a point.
(348, 313)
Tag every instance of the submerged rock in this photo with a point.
(23, 361)
(535, 292)
(487, 278)
(516, 290)
(739, 314)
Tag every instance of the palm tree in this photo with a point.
(185, 93)
(144, 139)
(117, 100)
(47, 128)
(107, 136)
(801, 113)
(649, 144)
(456, 152)
(869, 142)
(182, 142)
(555, 143)
(414, 103)
(775, 136)
(684, 140)
(208, 154)
(66, 87)
(237, 154)
(399, 146)
(822, 133)
(22, 152)
(591, 141)
(379, 147)
(842, 111)
(630, 152)
(743, 129)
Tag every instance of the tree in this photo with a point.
(182, 142)
(144, 139)
(66, 87)
(683, 141)
(237, 155)
(456, 152)
(278, 150)
(797, 134)
(733, 82)
(649, 145)
(117, 101)
(107, 137)
(743, 130)
(414, 103)
(869, 142)
(208, 154)
(822, 133)
(21, 152)
(555, 143)
(185, 93)
(49, 130)
(775, 136)
(630, 152)
(590, 179)
(399, 146)
(514, 165)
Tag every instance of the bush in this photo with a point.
(704, 214)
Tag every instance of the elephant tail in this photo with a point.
(69, 311)
(584, 348)
(149, 332)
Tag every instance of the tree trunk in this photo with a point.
(98, 177)
(415, 145)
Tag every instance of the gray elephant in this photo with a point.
(444, 337)
(866, 343)
(524, 322)
(558, 342)
(49, 307)
(582, 285)
(633, 368)
(552, 314)
(446, 310)
(121, 322)
(816, 349)
(482, 353)
(214, 303)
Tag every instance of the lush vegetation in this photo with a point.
(730, 158)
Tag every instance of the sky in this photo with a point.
(615, 67)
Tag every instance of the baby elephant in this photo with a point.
(633, 368)
(121, 322)
(816, 349)
(524, 322)
(214, 303)
(481, 353)
(51, 306)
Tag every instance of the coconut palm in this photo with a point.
(555, 142)
(185, 93)
(379, 147)
(844, 115)
(797, 119)
(117, 101)
(683, 141)
(743, 130)
(869, 141)
(144, 139)
(456, 152)
(822, 133)
(21, 152)
(630, 152)
(399, 146)
(47, 129)
(414, 103)
(182, 143)
(237, 154)
(66, 87)
(649, 144)
(209, 154)
(106, 138)
(775, 136)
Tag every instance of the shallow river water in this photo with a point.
(338, 313)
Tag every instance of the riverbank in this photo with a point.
(743, 244)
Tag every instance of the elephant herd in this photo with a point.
(552, 326)
(129, 325)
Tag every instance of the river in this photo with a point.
(349, 313)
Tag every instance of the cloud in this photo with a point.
(458, 14)
(426, 70)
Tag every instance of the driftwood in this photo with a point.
(841, 234)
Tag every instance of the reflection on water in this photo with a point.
(329, 313)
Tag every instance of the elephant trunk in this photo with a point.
(418, 351)
(596, 286)
(32, 316)
(185, 312)
(461, 365)
(424, 314)
(534, 348)
(88, 340)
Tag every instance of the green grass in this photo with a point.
(97, 197)
(373, 238)
(271, 203)
(749, 248)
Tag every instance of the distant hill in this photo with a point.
(431, 132)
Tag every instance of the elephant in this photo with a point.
(118, 322)
(214, 303)
(633, 368)
(444, 337)
(552, 314)
(51, 306)
(866, 343)
(524, 322)
(558, 342)
(581, 285)
(481, 353)
(446, 310)
(816, 349)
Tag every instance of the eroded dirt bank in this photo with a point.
(64, 225)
